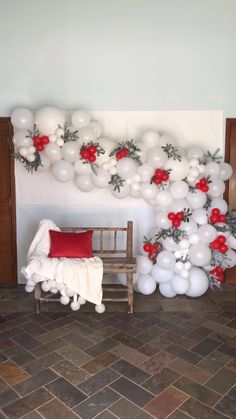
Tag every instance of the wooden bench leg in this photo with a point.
(37, 295)
(129, 281)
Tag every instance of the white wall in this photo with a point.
(40, 196)
(118, 55)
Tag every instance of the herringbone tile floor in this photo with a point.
(175, 360)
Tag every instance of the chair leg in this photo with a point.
(129, 281)
(37, 295)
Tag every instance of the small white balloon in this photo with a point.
(207, 233)
(126, 167)
(151, 138)
(23, 151)
(84, 183)
(195, 153)
(48, 119)
(179, 266)
(170, 244)
(108, 145)
(161, 275)
(144, 265)
(198, 283)
(212, 170)
(52, 138)
(179, 284)
(184, 244)
(86, 134)
(63, 171)
(156, 157)
(200, 216)
(166, 290)
(64, 300)
(196, 199)
(194, 238)
(166, 260)
(194, 172)
(146, 284)
(70, 151)
(179, 169)
(82, 168)
(100, 308)
(226, 171)
(31, 157)
(22, 118)
(148, 191)
(194, 163)
(80, 119)
(52, 152)
(146, 172)
(199, 254)
(179, 189)
(164, 198)
(178, 205)
(45, 285)
(216, 188)
(101, 178)
(59, 142)
(21, 138)
(189, 227)
(122, 193)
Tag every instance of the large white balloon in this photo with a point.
(48, 119)
(151, 138)
(166, 290)
(22, 118)
(200, 216)
(200, 254)
(101, 178)
(122, 193)
(82, 168)
(22, 139)
(226, 171)
(166, 260)
(212, 170)
(179, 169)
(86, 134)
(45, 163)
(162, 220)
(198, 283)
(180, 285)
(196, 199)
(63, 171)
(146, 284)
(144, 265)
(126, 167)
(53, 152)
(161, 275)
(179, 189)
(219, 203)
(148, 190)
(80, 119)
(146, 172)
(164, 198)
(70, 151)
(156, 157)
(216, 188)
(84, 183)
(207, 233)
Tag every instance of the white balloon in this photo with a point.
(126, 167)
(23, 151)
(48, 119)
(194, 238)
(144, 265)
(82, 168)
(161, 275)
(108, 145)
(100, 308)
(231, 241)
(123, 193)
(151, 138)
(52, 152)
(166, 260)
(96, 127)
(64, 300)
(165, 139)
(198, 283)
(22, 139)
(200, 216)
(179, 189)
(70, 151)
(80, 119)
(162, 220)
(142, 153)
(179, 169)
(86, 134)
(101, 178)
(84, 183)
(216, 188)
(146, 172)
(226, 171)
(156, 157)
(135, 193)
(199, 254)
(146, 284)
(31, 157)
(219, 203)
(189, 227)
(212, 170)
(45, 285)
(178, 205)
(195, 153)
(196, 199)
(179, 266)
(148, 190)
(207, 233)
(180, 285)
(170, 244)
(22, 118)
(63, 171)
(184, 244)
(229, 259)
(164, 198)
(166, 290)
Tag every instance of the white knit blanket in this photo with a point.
(81, 275)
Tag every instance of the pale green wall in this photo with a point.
(118, 54)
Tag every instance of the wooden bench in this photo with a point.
(115, 260)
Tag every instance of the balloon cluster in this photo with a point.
(195, 234)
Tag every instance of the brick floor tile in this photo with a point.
(197, 391)
(198, 410)
(214, 362)
(128, 340)
(157, 362)
(48, 347)
(132, 392)
(160, 381)
(98, 381)
(56, 409)
(129, 354)
(96, 403)
(70, 371)
(216, 327)
(12, 373)
(227, 405)
(199, 333)
(99, 363)
(130, 371)
(164, 404)
(101, 347)
(222, 381)
(75, 355)
(190, 370)
(66, 392)
(36, 381)
(28, 403)
(206, 346)
(179, 352)
(42, 363)
(124, 409)
(183, 341)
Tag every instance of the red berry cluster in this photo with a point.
(40, 142)
(176, 218)
(152, 249)
(122, 153)
(202, 185)
(218, 273)
(219, 244)
(217, 217)
(160, 176)
(89, 153)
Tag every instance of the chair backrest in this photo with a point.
(113, 248)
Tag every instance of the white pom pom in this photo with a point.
(194, 163)
(75, 306)
(64, 300)
(54, 290)
(52, 138)
(23, 151)
(100, 308)
(29, 288)
(190, 179)
(45, 286)
(31, 149)
(69, 292)
(81, 301)
(31, 157)
(113, 171)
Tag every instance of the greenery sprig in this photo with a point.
(172, 152)
(132, 150)
(175, 233)
(117, 182)
(208, 156)
(69, 135)
(28, 165)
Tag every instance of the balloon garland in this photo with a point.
(195, 234)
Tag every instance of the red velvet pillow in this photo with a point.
(70, 245)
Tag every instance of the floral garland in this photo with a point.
(195, 234)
